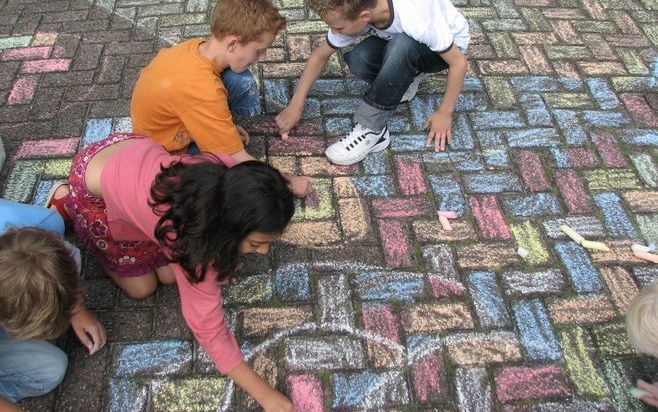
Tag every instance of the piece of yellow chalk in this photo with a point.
(445, 223)
(588, 244)
(646, 256)
(572, 234)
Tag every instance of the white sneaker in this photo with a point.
(413, 87)
(357, 144)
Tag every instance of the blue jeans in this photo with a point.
(29, 367)
(390, 66)
(243, 98)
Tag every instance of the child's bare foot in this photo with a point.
(56, 199)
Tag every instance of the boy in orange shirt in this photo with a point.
(181, 97)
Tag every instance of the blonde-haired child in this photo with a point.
(40, 296)
(642, 328)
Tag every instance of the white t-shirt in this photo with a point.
(435, 23)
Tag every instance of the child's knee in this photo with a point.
(54, 369)
(141, 287)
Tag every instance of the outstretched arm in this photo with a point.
(440, 122)
(290, 116)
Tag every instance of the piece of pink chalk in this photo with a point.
(445, 223)
(447, 213)
(284, 136)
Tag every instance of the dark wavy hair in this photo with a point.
(206, 210)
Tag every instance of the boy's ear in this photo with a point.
(365, 16)
(232, 42)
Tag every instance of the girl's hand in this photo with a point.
(243, 135)
(440, 125)
(83, 323)
(301, 186)
(276, 402)
(652, 388)
(289, 117)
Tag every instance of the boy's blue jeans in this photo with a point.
(29, 367)
(243, 99)
(390, 66)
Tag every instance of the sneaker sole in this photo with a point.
(376, 148)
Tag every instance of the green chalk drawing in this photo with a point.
(582, 371)
(527, 237)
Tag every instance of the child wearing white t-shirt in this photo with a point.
(405, 41)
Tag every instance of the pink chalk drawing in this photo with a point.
(306, 393)
(23, 90)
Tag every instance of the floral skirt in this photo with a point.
(89, 215)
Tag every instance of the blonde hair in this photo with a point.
(40, 284)
(247, 19)
(642, 320)
(350, 9)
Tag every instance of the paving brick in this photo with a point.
(436, 318)
(369, 389)
(306, 392)
(537, 337)
(588, 226)
(489, 217)
(447, 188)
(473, 389)
(380, 321)
(582, 371)
(615, 218)
(612, 340)
(488, 301)
(488, 256)
(520, 383)
(334, 302)
(266, 321)
(477, 349)
(545, 282)
(600, 180)
(582, 309)
(573, 191)
(539, 204)
(164, 358)
(584, 276)
(532, 171)
(316, 354)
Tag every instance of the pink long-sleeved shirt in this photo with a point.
(126, 186)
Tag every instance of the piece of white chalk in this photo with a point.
(588, 244)
(522, 252)
(652, 247)
(572, 234)
(635, 247)
(646, 256)
(447, 213)
(638, 393)
(445, 223)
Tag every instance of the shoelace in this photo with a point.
(354, 135)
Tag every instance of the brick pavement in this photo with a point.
(369, 303)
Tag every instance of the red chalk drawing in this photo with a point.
(532, 171)
(26, 53)
(396, 243)
(573, 191)
(490, 218)
(46, 66)
(306, 393)
(23, 90)
(641, 112)
(410, 177)
(427, 377)
(609, 151)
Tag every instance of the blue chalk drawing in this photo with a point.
(642, 137)
(497, 120)
(96, 130)
(292, 282)
(616, 220)
(488, 301)
(540, 137)
(567, 121)
(539, 204)
(595, 118)
(375, 163)
(491, 138)
(603, 93)
(375, 186)
(462, 137)
(536, 332)
(340, 106)
(276, 94)
(561, 158)
(448, 190)
(402, 286)
(492, 183)
(408, 143)
(126, 395)
(159, 358)
(369, 389)
(535, 84)
(338, 125)
(584, 276)
(497, 158)
(327, 87)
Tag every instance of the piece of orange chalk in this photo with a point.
(447, 213)
(445, 223)
(646, 256)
